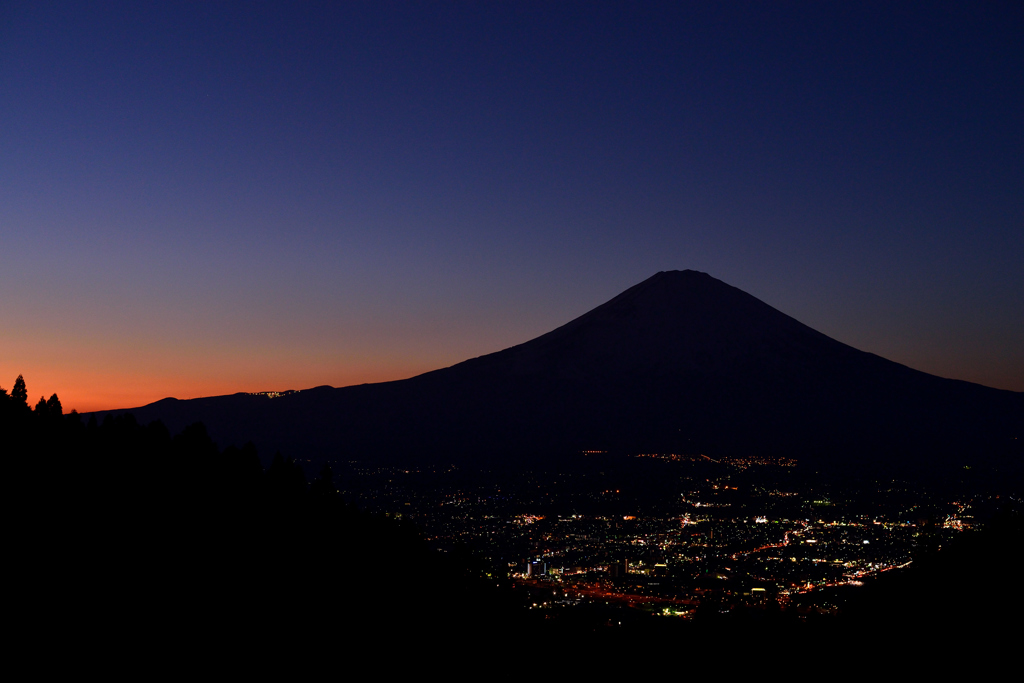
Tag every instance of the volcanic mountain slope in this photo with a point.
(680, 362)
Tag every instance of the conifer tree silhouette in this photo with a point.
(54, 407)
(19, 394)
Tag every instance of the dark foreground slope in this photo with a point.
(679, 362)
(134, 549)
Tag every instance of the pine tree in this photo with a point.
(19, 394)
(54, 407)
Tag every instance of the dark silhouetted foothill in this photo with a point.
(159, 543)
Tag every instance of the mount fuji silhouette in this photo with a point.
(681, 362)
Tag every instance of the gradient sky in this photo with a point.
(203, 198)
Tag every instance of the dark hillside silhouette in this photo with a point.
(128, 534)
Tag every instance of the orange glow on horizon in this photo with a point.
(92, 391)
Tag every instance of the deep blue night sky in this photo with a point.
(202, 198)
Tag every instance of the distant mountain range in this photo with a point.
(681, 362)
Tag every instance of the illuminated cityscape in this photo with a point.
(677, 532)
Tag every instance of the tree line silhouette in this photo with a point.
(126, 527)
